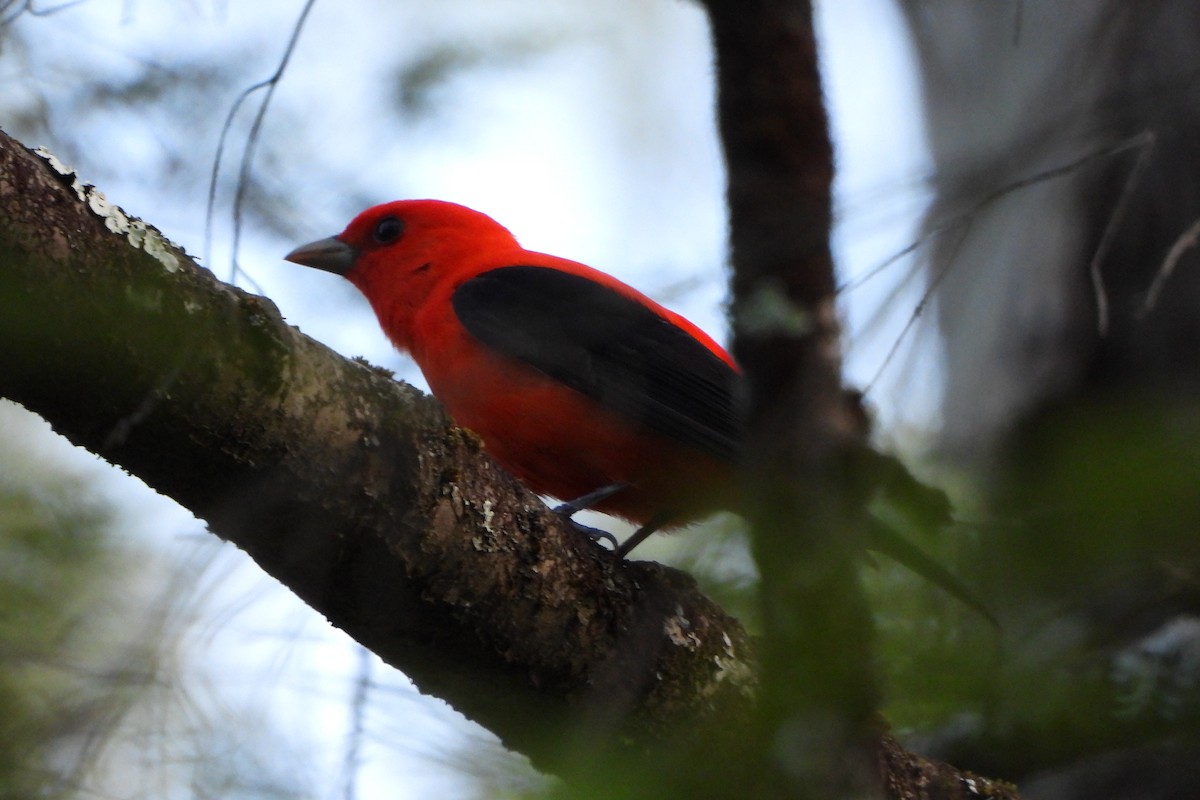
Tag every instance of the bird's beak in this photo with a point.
(332, 255)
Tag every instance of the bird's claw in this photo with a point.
(595, 534)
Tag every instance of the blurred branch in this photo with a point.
(252, 139)
(350, 488)
(819, 732)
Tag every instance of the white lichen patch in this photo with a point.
(678, 629)
(457, 503)
(486, 543)
(140, 235)
(731, 669)
(59, 167)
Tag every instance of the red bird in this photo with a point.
(581, 386)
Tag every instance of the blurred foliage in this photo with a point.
(1089, 557)
(99, 694)
(58, 681)
(417, 91)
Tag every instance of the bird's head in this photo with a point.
(399, 253)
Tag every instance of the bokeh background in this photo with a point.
(140, 656)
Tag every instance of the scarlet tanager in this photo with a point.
(578, 384)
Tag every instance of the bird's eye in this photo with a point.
(388, 230)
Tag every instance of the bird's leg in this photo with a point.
(639, 536)
(589, 500)
(571, 507)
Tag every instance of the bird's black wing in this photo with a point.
(608, 347)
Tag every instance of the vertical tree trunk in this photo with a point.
(820, 692)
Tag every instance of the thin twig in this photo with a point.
(1143, 141)
(251, 142)
(1110, 230)
(922, 304)
(26, 6)
(1186, 241)
(358, 711)
(1018, 22)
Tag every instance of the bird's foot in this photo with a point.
(572, 507)
(590, 500)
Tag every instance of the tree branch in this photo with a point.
(806, 502)
(350, 488)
